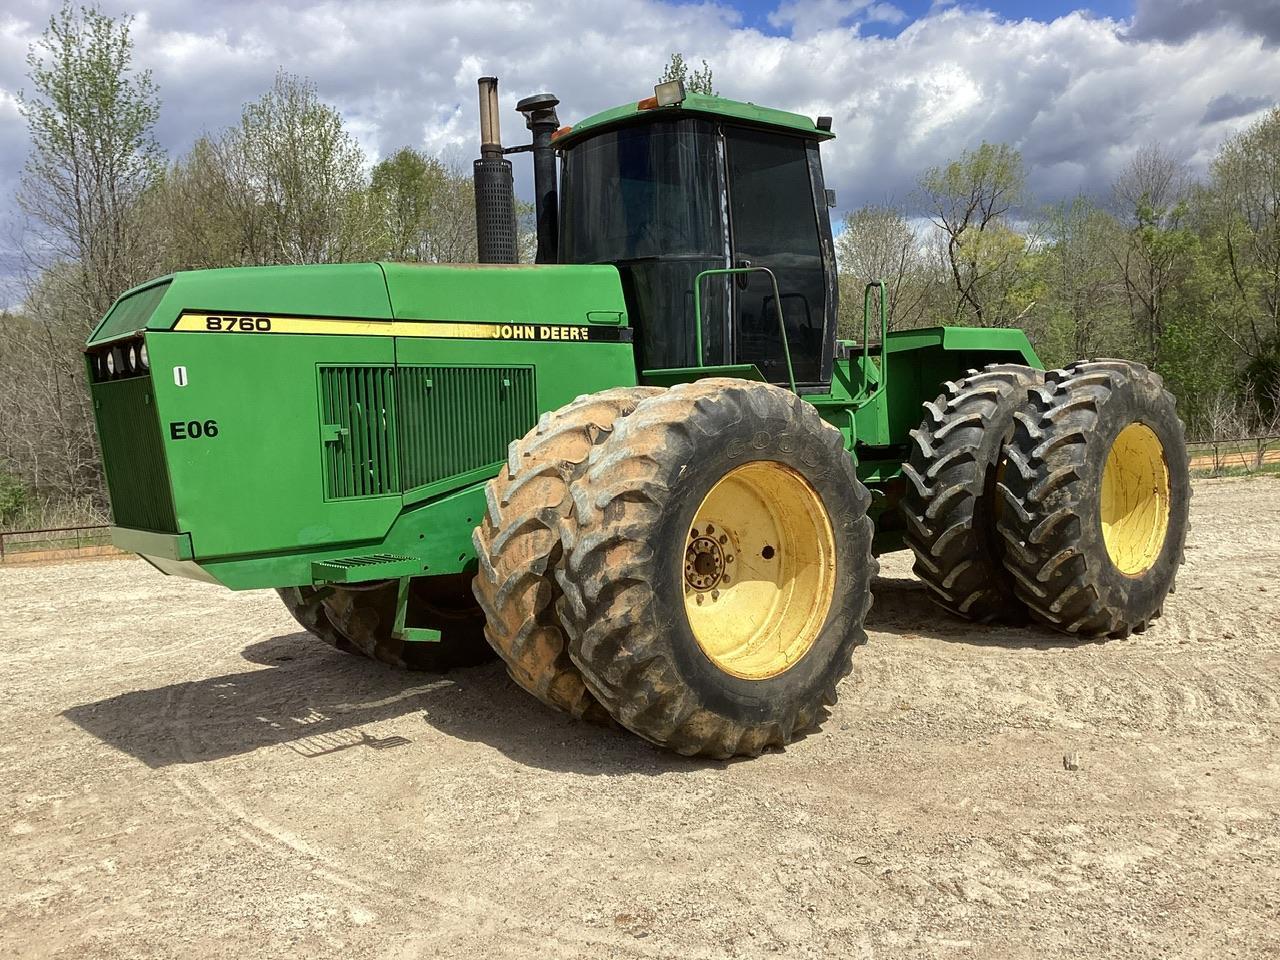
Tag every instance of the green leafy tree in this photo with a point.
(299, 189)
(969, 201)
(15, 499)
(1239, 213)
(1156, 251)
(1082, 315)
(695, 81)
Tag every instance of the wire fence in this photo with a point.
(1213, 457)
(1218, 456)
(27, 545)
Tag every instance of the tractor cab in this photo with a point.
(715, 213)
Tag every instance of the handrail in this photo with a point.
(777, 299)
(866, 340)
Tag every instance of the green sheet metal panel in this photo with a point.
(131, 312)
(507, 294)
(258, 485)
(312, 290)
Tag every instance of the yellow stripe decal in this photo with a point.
(239, 323)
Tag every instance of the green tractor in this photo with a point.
(647, 458)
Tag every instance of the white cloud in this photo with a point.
(1077, 95)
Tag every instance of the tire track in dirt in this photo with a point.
(376, 895)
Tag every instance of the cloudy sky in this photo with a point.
(909, 82)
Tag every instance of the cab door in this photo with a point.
(773, 182)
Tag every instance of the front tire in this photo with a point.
(718, 573)
(1097, 495)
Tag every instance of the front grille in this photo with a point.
(392, 429)
(133, 455)
(457, 419)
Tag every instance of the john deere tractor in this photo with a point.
(647, 457)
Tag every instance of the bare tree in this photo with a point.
(877, 243)
(1155, 254)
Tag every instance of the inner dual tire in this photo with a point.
(710, 570)
(360, 620)
(951, 504)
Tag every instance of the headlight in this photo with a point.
(111, 363)
(142, 356)
(133, 359)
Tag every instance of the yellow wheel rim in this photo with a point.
(1135, 500)
(759, 568)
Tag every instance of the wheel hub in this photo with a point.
(704, 561)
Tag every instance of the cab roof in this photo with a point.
(695, 104)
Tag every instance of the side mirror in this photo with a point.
(831, 198)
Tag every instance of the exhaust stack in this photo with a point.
(540, 117)
(495, 190)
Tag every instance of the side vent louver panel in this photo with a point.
(389, 429)
(357, 410)
(457, 419)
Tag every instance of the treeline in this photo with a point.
(108, 209)
(1180, 273)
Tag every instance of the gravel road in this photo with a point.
(187, 775)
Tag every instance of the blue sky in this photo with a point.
(1076, 88)
(755, 13)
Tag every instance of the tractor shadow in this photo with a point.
(902, 607)
(316, 702)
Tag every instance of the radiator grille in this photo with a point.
(456, 419)
(133, 455)
(357, 409)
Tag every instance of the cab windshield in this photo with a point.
(666, 199)
(647, 199)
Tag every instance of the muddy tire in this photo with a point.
(359, 620)
(518, 544)
(1096, 499)
(737, 493)
(951, 501)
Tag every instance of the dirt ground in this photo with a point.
(186, 774)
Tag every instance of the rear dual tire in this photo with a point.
(1061, 497)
